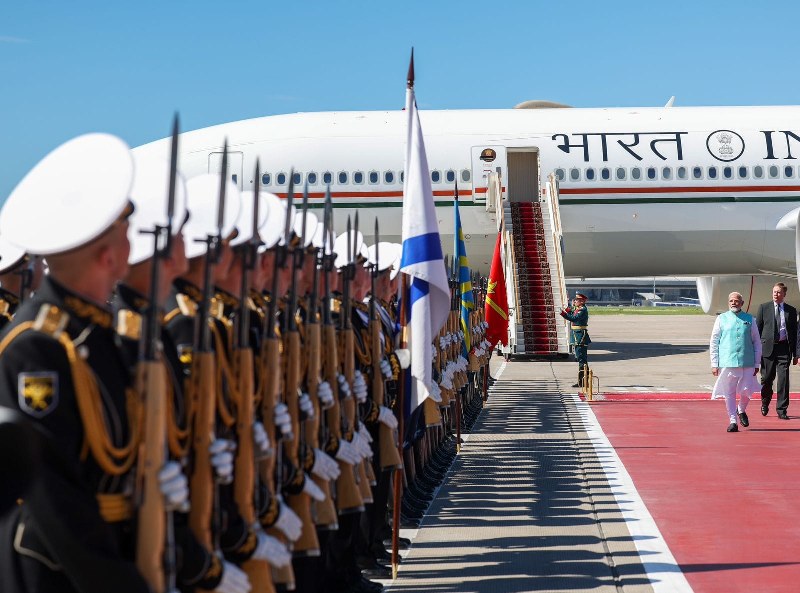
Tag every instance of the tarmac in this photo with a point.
(545, 494)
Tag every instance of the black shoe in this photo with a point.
(365, 586)
(764, 410)
(783, 415)
(403, 543)
(575, 385)
(733, 427)
(408, 523)
(744, 419)
(382, 573)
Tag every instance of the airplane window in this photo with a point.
(358, 177)
(402, 176)
(605, 174)
(374, 177)
(727, 172)
(589, 174)
(311, 178)
(298, 178)
(758, 171)
(561, 174)
(281, 179)
(621, 173)
(388, 177)
(697, 172)
(327, 177)
(773, 172)
(266, 179)
(742, 172)
(465, 175)
(636, 173)
(681, 173)
(450, 176)
(712, 172)
(788, 171)
(651, 173)
(436, 177)
(666, 173)
(342, 177)
(575, 174)
(235, 178)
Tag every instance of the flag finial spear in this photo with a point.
(410, 78)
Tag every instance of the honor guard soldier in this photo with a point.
(196, 567)
(579, 339)
(60, 365)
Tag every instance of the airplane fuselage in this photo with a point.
(643, 191)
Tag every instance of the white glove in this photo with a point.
(325, 466)
(404, 357)
(436, 393)
(362, 447)
(272, 550)
(386, 368)
(310, 488)
(434, 354)
(174, 487)
(443, 342)
(387, 417)
(344, 387)
(284, 421)
(288, 522)
(234, 579)
(261, 440)
(364, 434)
(325, 395)
(306, 406)
(222, 459)
(359, 387)
(447, 381)
(347, 453)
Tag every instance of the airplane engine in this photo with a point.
(713, 291)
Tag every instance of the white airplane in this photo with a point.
(701, 191)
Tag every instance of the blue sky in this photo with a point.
(124, 67)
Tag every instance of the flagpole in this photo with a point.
(401, 407)
(401, 392)
(457, 288)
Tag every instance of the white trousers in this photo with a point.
(732, 382)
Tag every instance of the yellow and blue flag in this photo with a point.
(464, 278)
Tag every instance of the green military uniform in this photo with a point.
(579, 336)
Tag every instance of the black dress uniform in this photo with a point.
(74, 531)
(197, 567)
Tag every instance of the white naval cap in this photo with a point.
(396, 263)
(149, 195)
(71, 197)
(245, 221)
(272, 230)
(203, 201)
(10, 255)
(311, 227)
(340, 247)
(387, 254)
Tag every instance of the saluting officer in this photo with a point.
(61, 366)
(579, 333)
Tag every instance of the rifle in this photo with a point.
(308, 544)
(387, 437)
(204, 512)
(155, 541)
(348, 495)
(258, 571)
(272, 468)
(349, 362)
(325, 511)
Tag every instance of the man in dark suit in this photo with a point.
(777, 325)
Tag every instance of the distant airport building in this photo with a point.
(636, 291)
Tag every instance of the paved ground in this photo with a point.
(538, 500)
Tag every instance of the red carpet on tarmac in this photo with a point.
(726, 503)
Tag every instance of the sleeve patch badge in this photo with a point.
(38, 393)
(185, 353)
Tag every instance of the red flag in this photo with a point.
(497, 301)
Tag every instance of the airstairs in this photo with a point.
(534, 271)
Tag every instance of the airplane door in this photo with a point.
(486, 160)
(235, 162)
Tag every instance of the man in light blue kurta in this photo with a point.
(735, 355)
